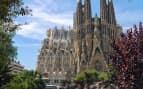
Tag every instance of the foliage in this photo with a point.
(91, 76)
(25, 80)
(127, 59)
(5, 76)
(103, 76)
(7, 53)
(10, 9)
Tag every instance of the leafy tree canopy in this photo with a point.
(10, 9)
(25, 80)
(91, 76)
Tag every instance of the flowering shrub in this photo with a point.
(127, 59)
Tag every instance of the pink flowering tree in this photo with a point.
(127, 59)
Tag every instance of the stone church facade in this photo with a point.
(55, 57)
(67, 52)
(93, 35)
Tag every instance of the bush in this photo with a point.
(25, 80)
(91, 76)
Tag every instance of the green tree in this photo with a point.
(91, 76)
(7, 53)
(25, 80)
(9, 10)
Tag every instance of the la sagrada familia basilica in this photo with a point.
(66, 52)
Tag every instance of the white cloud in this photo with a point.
(61, 18)
(43, 18)
(32, 31)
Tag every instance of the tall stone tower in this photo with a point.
(88, 29)
(93, 35)
(78, 34)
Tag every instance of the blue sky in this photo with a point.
(50, 13)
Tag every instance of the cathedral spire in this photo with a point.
(103, 10)
(78, 1)
(112, 18)
(87, 10)
(79, 13)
